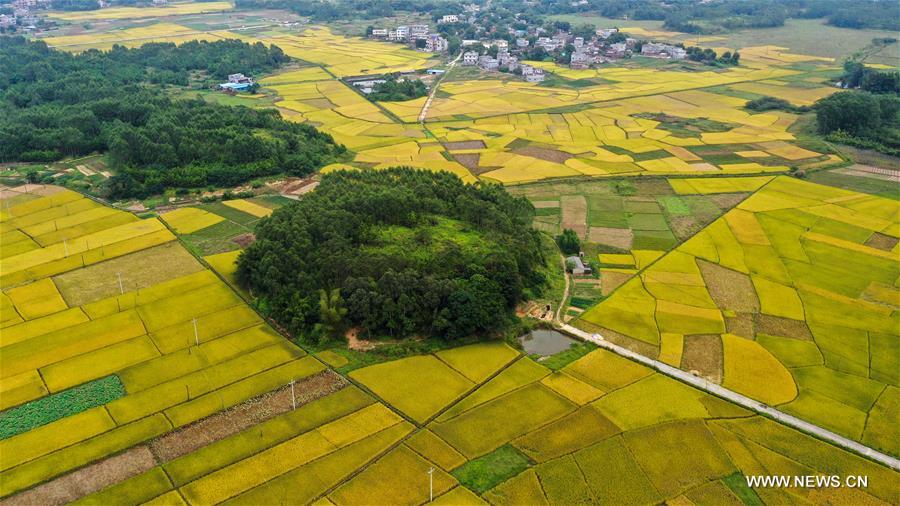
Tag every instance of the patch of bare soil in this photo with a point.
(87, 480)
(684, 226)
(729, 289)
(550, 155)
(612, 280)
(740, 325)
(653, 187)
(231, 421)
(621, 238)
(726, 201)
(703, 354)
(574, 213)
(355, 343)
(451, 146)
(545, 204)
(882, 241)
(468, 160)
(244, 240)
(783, 327)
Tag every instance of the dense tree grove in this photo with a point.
(861, 119)
(857, 75)
(398, 252)
(55, 104)
(692, 16)
(393, 90)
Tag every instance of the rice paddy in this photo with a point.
(775, 300)
(173, 9)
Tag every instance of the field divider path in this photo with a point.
(434, 89)
(739, 399)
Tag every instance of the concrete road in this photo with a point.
(742, 400)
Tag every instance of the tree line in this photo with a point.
(54, 104)
(398, 253)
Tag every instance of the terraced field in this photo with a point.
(789, 298)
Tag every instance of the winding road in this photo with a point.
(741, 400)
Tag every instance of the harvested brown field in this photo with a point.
(138, 270)
(646, 349)
(882, 241)
(621, 238)
(545, 204)
(704, 167)
(611, 281)
(703, 354)
(550, 155)
(469, 161)
(740, 325)
(244, 240)
(784, 327)
(254, 411)
(452, 146)
(653, 187)
(726, 201)
(684, 226)
(574, 213)
(87, 480)
(729, 289)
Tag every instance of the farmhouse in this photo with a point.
(532, 74)
(470, 58)
(577, 267)
(380, 33)
(658, 50)
(436, 44)
(237, 82)
(449, 18)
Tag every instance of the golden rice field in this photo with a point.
(172, 9)
(790, 298)
(188, 353)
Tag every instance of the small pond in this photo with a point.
(545, 342)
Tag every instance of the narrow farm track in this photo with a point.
(741, 400)
(427, 103)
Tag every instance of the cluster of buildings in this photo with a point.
(432, 42)
(503, 61)
(236, 82)
(21, 14)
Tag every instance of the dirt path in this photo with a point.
(558, 320)
(437, 84)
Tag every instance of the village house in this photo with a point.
(617, 50)
(605, 33)
(469, 42)
(522, 43)
(380, 33)
(576, 266)
(658, 50)
(7, 21)
(488, 62)
(449, 18)
(580, 60)
(236, 82)
(470, 58)
(418, 32)
(436, 44)
(532, 74)
(501, 44)
(578, 42)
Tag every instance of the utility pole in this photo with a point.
(431, 484)
(293, 396)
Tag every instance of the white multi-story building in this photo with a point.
(501, 44)
(449, 18)
(470, 58)
(380, 33)
(532, 74)
(521, 43)
(436, 44)
(488, 62)
(418, 32)
(605, 33)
